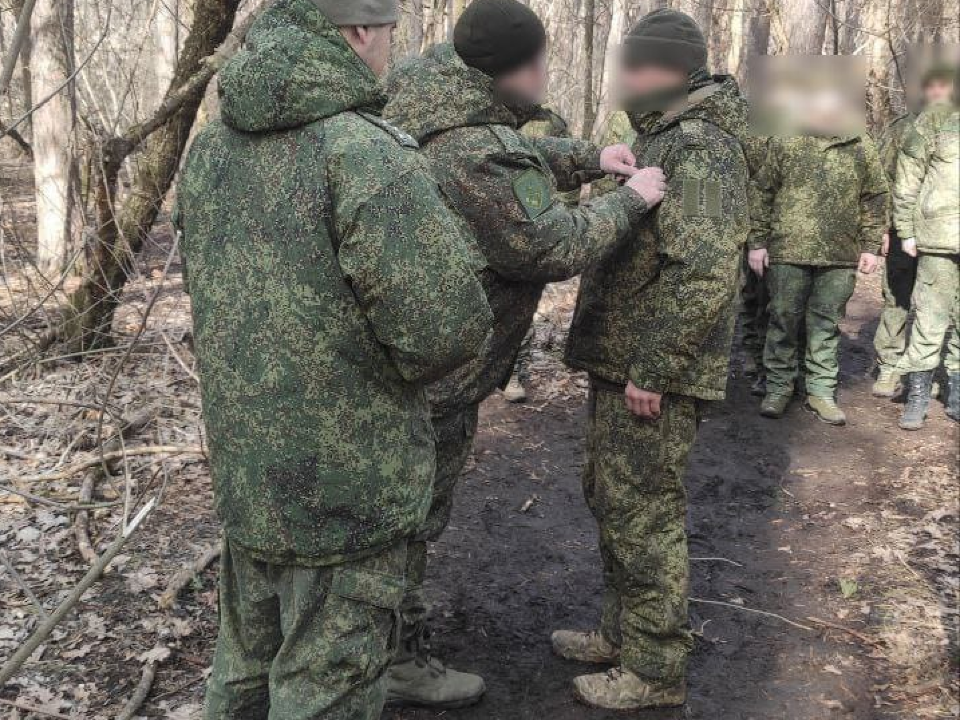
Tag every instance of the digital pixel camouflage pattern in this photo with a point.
(926, 208)
(937, 299)
(825, 201)
(806, 306)
(660, 309)
(928, 182)
(330, 284)
(302, 643)
(633, 483)
(455, 433)
(506, 188)
(900, 270)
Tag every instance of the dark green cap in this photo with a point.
(348, 13)
(666, 38)
(497, 36)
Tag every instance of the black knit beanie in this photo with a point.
(497, 36)
(666, 38)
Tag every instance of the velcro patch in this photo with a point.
(534, 192)
(702, 198)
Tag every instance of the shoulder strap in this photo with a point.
(393, 131)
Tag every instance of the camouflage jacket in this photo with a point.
(824, 201)
(660, 310)
(891, 141)
(927, 190)
(546, 123)
(506, 188)
(330, 284)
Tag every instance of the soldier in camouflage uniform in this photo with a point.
(823, 216)
(901, 269)
(545, 123)
(653, 327)
(330, 283)
(927, 216)
(465, 103)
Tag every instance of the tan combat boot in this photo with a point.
(774, 405)
(619, 689)
(423, 681)
(589, 647)
(515, 392)
(826, 409)
(887, 384)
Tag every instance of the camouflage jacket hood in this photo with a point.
(295, 68)
(460, 96)
(329, 285)
(659, 310)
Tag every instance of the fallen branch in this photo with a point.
(850, 631)
(65, 507)
(716, 559)
(81, 523)
(140, 693)
(23, 585)
(183, 578)
(149, 450)
(32, 709)
(39, 635)
(751, 610)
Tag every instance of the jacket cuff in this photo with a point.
(634, 205)
(757, 242)
(646, 380)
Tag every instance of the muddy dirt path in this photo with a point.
(789, 509)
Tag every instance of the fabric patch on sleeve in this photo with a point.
(702, 198)
(534, 193)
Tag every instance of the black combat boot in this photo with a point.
(918, 400)
(953, 396)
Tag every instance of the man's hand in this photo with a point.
(642, 403)
(759, 261)
(909, 246)
(868, 263)
(886, 244)
(618, 160)
(649, 183)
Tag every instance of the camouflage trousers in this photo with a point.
(304, 643)
(754, 316)
(633, 483)
(814, 297)
(936, 298)
(899, 277)
(521, 368)
(455, 433)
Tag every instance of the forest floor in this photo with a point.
(851, 533)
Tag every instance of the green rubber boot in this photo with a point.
(919, 387)
(953, 396)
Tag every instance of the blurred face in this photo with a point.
(527, 83)
(647, 79)
(937, 92)
(372, 43)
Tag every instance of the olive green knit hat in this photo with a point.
(666, 38)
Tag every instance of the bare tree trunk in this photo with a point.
(411, 27)
(121, 231)
(589, 102)
(805, 25)
(458, 7)
(167, 36)
(26, 72)
(53, 126)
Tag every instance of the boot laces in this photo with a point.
(423, 655)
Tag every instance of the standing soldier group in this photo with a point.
(360, 285)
